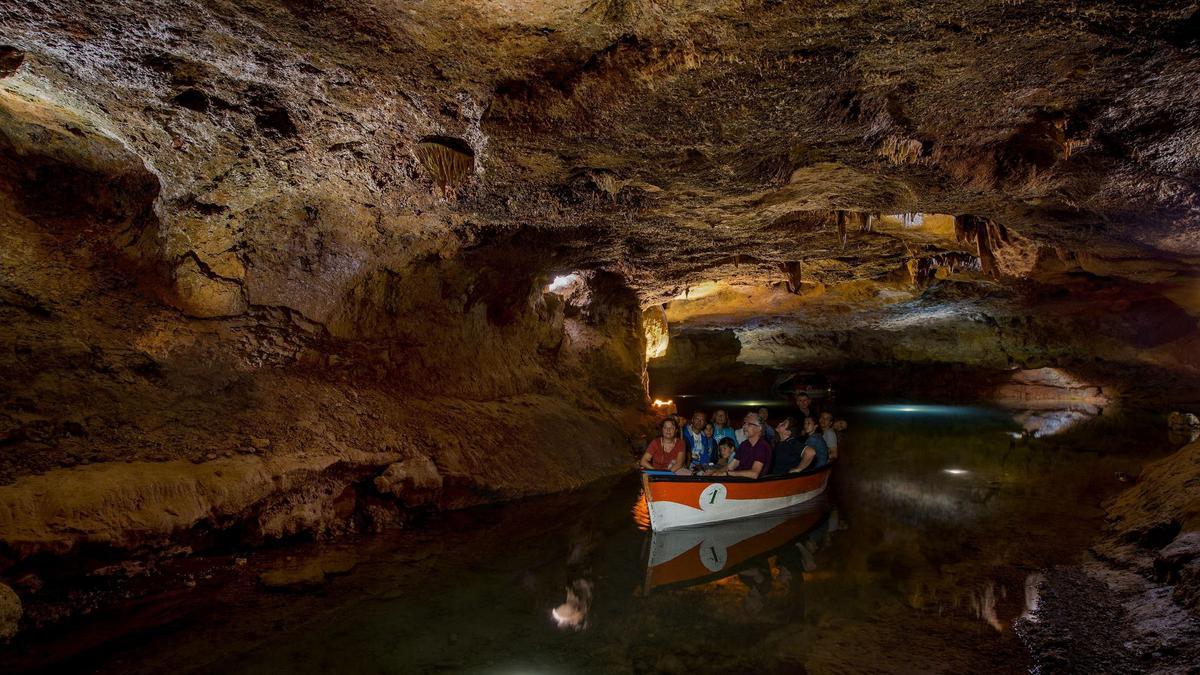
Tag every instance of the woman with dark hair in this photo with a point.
(665, 453)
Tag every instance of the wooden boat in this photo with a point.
(687, 501)
(699, 554)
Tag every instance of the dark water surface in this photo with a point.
(926, 553)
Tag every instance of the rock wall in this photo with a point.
(1124, 337)
(132, 422)
(1154, 527)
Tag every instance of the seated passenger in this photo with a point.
(829, 434)
(721, 428)
(725, 454)
(753, 455)
(804, 406)
(664, 453)
(768, 430)
(815, 454)
(790, 450)
(741, 434)
(700, 446)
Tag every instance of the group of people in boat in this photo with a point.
(804, 440)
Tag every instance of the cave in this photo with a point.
(335, 335)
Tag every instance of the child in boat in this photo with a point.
(725, 449)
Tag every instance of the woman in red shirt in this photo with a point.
(665, 453)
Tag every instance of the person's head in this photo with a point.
(721, 418)
(763, 413)
(826, 420)
(810, 425)
(725, 447)
(668, 428)
(802, 400)
(753, 427)
(698, 420)
(786, 428)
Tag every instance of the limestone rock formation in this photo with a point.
(1048, 387)
(10, 613)
(338, 227)
(415, 481)
(1155, 525)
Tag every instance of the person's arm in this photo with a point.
(676, 461)
(752, 472)
(733, 464)
(648, 458)
(806, 458)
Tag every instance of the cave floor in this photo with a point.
(950, 542)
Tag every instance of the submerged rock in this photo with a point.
(299, 578)
(310, 573)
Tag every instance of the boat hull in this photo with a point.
(675, 502)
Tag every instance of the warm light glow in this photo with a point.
(654, 326)
(562, 283)
(660, 403)
(702, 290)
(955, 472)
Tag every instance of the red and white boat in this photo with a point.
(675, 502)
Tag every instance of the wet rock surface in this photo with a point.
(1131, 606)
(1079, 627)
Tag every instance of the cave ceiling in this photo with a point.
(297, 145)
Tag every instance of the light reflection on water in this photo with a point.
(928, 551)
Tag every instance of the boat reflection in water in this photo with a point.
(701, 554)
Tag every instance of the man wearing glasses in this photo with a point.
(753, 457)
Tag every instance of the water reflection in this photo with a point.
(951, 522)
(573, 612)
(696, 555)
(1039, 423)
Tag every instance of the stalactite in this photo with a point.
(846, 220)
(923, 269)
(450, 161)
(987, 236)
(792, 269)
